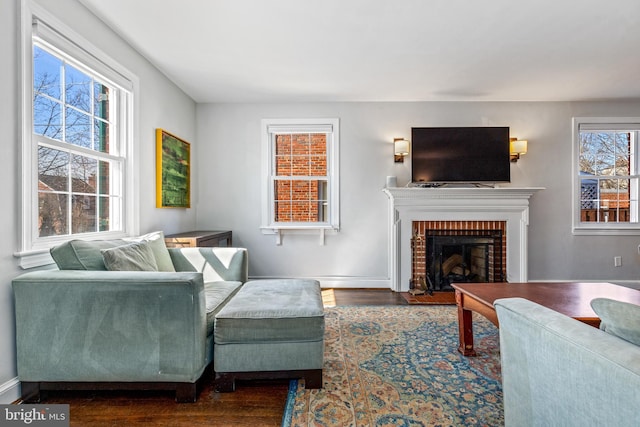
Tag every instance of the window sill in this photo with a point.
(607, 231)
(34, 259)
(280, 230)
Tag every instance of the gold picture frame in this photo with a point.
(173, 171)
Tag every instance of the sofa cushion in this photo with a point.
(136, 256)
(216, 294)
(82, 254)
(618, 318)
(278, 310)
(159, 248)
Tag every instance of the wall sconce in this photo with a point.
(400, 149)
(517, 147)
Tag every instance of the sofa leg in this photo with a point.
(186, 392)
(30, 391)
(224, 383)
(313, 379)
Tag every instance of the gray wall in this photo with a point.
(161, 104)
(230, 140)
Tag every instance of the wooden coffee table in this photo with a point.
(569, 298)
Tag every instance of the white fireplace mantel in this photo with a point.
(408, 204)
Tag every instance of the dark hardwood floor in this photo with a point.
(254, 403)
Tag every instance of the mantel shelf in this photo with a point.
(416, 193)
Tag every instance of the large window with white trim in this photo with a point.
(606, 175)
(78, 129)
(301, 174)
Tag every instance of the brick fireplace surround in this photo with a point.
(468, 207)
(495, 230)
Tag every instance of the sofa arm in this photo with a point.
(559, 371)
(215, 263)
(110, 326)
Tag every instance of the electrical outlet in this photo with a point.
(617, 261)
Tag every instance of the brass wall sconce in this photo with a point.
(400, 149)
(517, 147)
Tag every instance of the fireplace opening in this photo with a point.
(453, 259)
(445, 256)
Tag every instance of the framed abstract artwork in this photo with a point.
(173, 171)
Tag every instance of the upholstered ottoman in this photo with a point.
(270, 329)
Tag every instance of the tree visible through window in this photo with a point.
(73, 128)
(608, 173)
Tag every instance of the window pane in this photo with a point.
(300, 166)
(101, 97)
(104, 175)
(300, 146)
(101, 135)
(318, 166)
(84, 174)
(83, 219)
(52, 214)
(53, 170)
(623, 153)
(78, 89)
(605, 153)
(46, 73)
(301, 190)
(614, 200)
(103, 212)
(283, 165)
(318, 144)
(589, 193)
(283, 144)
(47, 117)
(78, 128)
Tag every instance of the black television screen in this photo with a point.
(460, 154)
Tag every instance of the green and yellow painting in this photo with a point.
(172, 171)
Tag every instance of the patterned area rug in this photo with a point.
(399, 366)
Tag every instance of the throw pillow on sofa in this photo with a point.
(136, 256)
(82, 254)
(159, 248)
(618, 318)
(86, 255)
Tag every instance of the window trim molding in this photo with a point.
(30, 252)
(268, 226)
(595, 229)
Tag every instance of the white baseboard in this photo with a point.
(10, 391)
(341, 281)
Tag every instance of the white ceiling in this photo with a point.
(386, 50)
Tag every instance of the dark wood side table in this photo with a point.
(192, 239)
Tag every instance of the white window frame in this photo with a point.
(37, 23)
(611, 124)
(270, 127)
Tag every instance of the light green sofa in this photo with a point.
(89, 328)
(557, 371)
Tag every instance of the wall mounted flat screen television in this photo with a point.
(460, 155)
